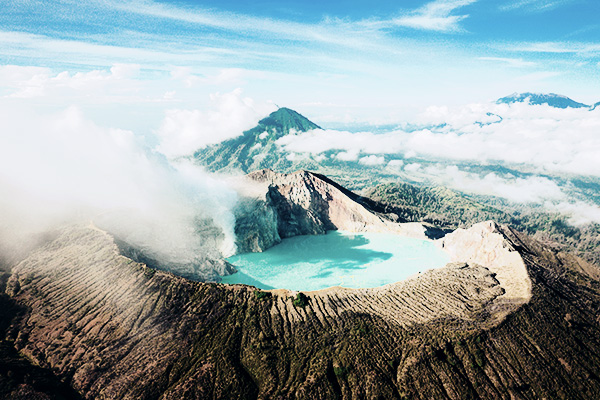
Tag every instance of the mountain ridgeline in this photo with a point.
(551, 99)
(256, 148)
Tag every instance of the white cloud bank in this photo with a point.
(533, 189)
(528, 190)
(96, 85)
(539, 139)
(372, 160)
(544, 138)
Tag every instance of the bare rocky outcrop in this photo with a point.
(485, 244)
(306, 203)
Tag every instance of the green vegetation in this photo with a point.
(261, 295)
(440, 206)
(478, 358)
(301, 300)
(149, 272)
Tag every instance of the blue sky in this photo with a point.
(334, 60)
(90, 88)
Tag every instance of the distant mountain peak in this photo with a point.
(551, 99)
(257, 148)
(285, 120)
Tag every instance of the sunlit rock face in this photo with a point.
(305, 203)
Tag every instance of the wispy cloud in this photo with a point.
(329, 31)
(436, 16)
(212, 32)
(363, 61)
(61, 167)
(555, 47)
(534, 5)
(511, 62)
(532, 189)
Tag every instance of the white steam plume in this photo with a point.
(61, 168)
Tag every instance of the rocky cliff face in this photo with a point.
(306, 203)
(114, 328)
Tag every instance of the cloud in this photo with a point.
(319, 141)
(230, 75)
(347, 155)
(554, 47)
(537, 190)
(184, 131)
(214, 37)
(511, 62)
(61, 167)
(540, 137)
(120, 71)
(185, 75)
(116, 84)
(412, 167)
(580, 213)
(534, 5)
(436, 16)
(372, 160)
(395, 163)
(537, 139)
(348, 57)
(533, 189)
(545, 138)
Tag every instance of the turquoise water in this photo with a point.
(336, 259)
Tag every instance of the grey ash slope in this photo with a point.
(256, 148)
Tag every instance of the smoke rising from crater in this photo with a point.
(62, 168)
